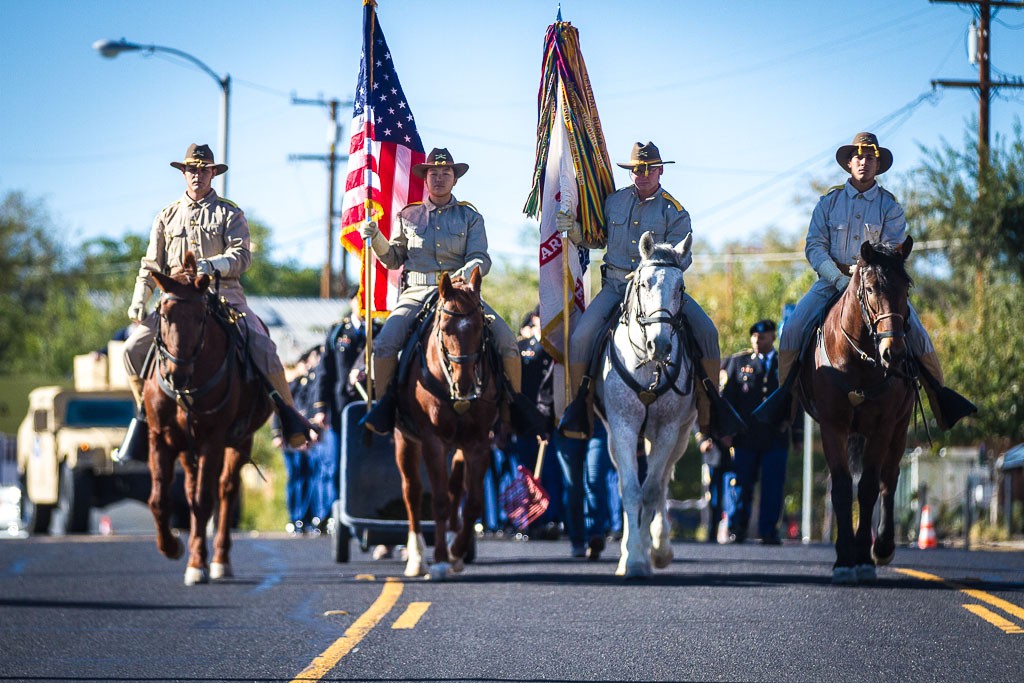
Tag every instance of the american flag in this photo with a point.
(384, 147)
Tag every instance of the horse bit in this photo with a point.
(872, 321)
(459, 403)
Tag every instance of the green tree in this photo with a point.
(267, 277)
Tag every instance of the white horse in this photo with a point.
(646, 388)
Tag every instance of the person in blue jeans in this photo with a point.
(760, 452)
(585, 465)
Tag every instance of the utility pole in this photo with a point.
(329, 288)
(985, 84)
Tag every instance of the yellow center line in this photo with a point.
(991, 617)
(330, 657)
(981, 596)
(411, 616)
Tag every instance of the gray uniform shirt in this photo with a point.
(627, 217)
(212, 228)
(845, 218)
(434, 239)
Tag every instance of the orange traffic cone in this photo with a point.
(926, 537)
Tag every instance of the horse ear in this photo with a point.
(164, 282)
(190, 261)
(445, 286)
(475, 278)
(683, 248)
(866, 252)
(646, 245)
(907, 245)
(203, 282)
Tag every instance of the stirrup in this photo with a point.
(575, 422)
(295, 427)
(136, 442)
(381, 418)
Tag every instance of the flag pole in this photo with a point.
(567, 282)
(368, 268)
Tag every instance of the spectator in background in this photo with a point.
(301, 464)
(749, 377)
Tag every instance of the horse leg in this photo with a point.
(208, 471)
(161, 469)
(474, 469)
(834, 443)
(656, 499)
(230, 485)
(456, 482)
(633, 562)
(884, 547)
(407, 456)
(434, 456)
(867, 495)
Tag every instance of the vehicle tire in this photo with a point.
(75, 498)
(36, 518)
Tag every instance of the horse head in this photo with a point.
(183, 310)
(658, 290)
(881, 285)
(460, 336)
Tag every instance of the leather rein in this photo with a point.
(448, 360)
(665, 373)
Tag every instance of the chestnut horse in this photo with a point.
(202, 408)
(450, 401)
(860, 387)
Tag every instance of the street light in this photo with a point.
(112, 48)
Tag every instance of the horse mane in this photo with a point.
(887, 261)
(664, 252)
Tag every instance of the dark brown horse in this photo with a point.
(202, 409)
(450, 402)
(861, 390)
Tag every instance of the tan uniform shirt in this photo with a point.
(627, 217)
(433, 239)
(212, 228)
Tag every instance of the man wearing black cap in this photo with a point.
(748, 378)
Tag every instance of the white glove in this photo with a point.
(368, 229)
(204, 267)
(567, 224)
(137, 312)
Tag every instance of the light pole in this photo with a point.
(112, 48)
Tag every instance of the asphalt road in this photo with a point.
(110, 608)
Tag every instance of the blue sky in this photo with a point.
(750, 98)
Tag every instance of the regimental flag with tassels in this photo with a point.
(382, 151)
(572, 173)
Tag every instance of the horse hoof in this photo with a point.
(439, 571)
(662, 559)
(882, 561)
(865, 573)
(414, 569)
(458, 564)
(220, 570)
(195, 575)
(844, 576)
(176, 550)
(638, 571)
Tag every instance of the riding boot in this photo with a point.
(381, 418)
(294, 425)
(577, 420)
(524, 416)
(778, 407)
(948, 406)
(136, 442)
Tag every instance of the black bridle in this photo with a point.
(665, 372)
(186, 396)
(448, 360)
(872, 319)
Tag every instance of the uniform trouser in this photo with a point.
(391, 338)
(261, 347)
(593, 320)
(325, 483)
(299, 487)
(750, 464)
(799, 326)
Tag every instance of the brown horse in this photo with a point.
(450, 402)
(861, 390)
(202, 408)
